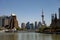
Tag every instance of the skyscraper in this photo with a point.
(28, 25)
(13, 21)
(39, 24)
(0, 21)
(35, 24)
(4, 21)
(32, 26)
(23, 26)
(52, 18)
(59, 13)
(9, 21)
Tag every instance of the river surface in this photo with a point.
(29, 36)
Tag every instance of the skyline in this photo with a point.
(30, 10)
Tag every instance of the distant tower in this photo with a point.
(52, 18)
(42, 17)
(55, 18)
(59, 13)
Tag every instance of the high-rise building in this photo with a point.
(35, 24)
(3, 21)
(32, 26)
(13, 21)
(52, 18)
(55, 18)
(39, 24)
(0, 21)
(23, 26)
(9, 21)
(59, 13)
(28, 25)
(55, 23)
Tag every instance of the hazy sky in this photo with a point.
(29, 10)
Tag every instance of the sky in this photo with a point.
(30, 10)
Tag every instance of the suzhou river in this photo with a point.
(29, 36)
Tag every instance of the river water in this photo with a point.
(29, 36)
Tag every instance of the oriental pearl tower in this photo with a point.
(43, 22)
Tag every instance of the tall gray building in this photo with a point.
(59, 13)
(23, 26)
(32, 26)
(35, 24)
(4, 21)
(0, 21)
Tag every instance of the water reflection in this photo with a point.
(8, 36)
(56, 37)
(34, 36)
(28, 36)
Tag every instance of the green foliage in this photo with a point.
(24, 29)
(18, 28)
(41, 29)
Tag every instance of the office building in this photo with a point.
(31, 26)
(55, 22)
(59, 13)
(0, 21)
(35, 24)
(9, 21)
(23, 26)
(39, 24)
(28, 25)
